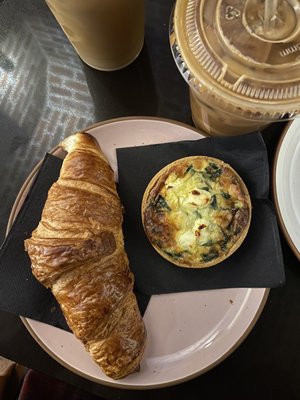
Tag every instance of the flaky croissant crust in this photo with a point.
(77, 251)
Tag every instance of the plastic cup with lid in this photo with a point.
(241, 60)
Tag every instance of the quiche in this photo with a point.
(196, 211)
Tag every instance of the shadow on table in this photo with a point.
(126, 92)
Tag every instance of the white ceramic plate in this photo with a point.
(286, 184)
(188, 333)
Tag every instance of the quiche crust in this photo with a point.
(196, 211)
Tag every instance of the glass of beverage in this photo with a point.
(107, 34)
(241, 59)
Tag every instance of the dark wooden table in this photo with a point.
(46, 93)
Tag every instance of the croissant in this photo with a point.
(77, 251)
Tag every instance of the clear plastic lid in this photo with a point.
(224, 48)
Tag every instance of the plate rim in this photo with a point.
(160, 385)
(274, 190)
(118, 384)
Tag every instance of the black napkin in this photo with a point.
(20, 292)
(257, 263)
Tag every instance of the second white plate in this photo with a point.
(286, 184)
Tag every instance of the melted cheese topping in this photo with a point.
(192, 210)
(198, 208)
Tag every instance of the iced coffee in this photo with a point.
(243, 71)
(106, 34)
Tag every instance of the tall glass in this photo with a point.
(106, 34)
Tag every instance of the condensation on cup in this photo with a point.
(243, 71)
(107, 34)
